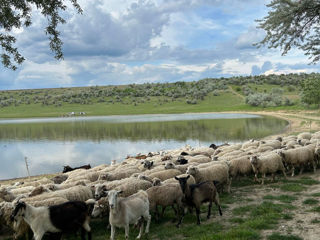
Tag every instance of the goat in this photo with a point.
(130, 210)
(67, 168)
(196, 194)
(65, 217)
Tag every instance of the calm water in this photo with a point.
(51, 143)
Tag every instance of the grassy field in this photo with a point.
(228, 100)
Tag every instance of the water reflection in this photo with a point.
(50, 145)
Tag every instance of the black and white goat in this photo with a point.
(66, 217)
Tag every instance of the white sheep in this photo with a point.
(181, 168)
(299, 157)
(304, 135)
(165, 174)
(239, 166)
(216, 172)
(165, 195)
(133, 186)
(268, 163)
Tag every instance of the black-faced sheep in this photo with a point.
(196, 194)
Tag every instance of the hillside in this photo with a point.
(252, 93)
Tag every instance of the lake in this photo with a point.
(50, 143)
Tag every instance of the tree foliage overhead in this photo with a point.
(18, 14)
(293, 23)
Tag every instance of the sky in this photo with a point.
(138, 41)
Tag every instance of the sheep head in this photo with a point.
(169, 165)
(192, 170)
(254, 160)
(183, 182)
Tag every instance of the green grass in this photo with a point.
(292, 187)
(226, 101)
(278, 236)
(310, 201)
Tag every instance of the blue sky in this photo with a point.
(122, 41)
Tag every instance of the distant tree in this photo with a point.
(293, 23)
(310, 91)
(17, 14)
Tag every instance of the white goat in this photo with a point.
(125, 211)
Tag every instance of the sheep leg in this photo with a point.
(198, 215)
(263, 176)
(126, 230)
(301, 170)
(113, 231)
(273, 177)
(141, 229)
(148, 218)
(256, 177)
(157, 214)
(217, 202)
(292, 173)
(284, 173)
(181, 218)
(163, 209)
(209, 209)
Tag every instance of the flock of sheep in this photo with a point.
(128, 191)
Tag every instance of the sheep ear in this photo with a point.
(151, 163)
(188, 177)
(120, 191)
(176, 178)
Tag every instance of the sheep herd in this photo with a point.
(127, 192)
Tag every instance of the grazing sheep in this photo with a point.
(165, 195)
(196, 194)
(250, 143)
(125, 211)
(181, 168)
(133, 186)
(36, 183)
(217, 172)
(239, 166)
(269, 163)
(38, 190)
(76, 193)
(275, 144)
(304, 135)
(6, 195)
(117, 175)
(165, 174)
(65, 217)
(59, 178)
(299, 157)
(198, 159)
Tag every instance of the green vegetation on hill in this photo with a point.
(248, 93)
